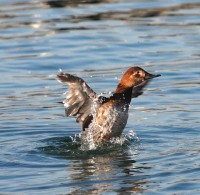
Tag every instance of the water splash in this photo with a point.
(75, 138)
(87, 142)
(125, 138)
(87, 136)
(73, 147)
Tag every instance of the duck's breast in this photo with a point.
(110, 121)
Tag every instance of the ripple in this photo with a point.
(70, 147)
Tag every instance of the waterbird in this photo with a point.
(102, 118)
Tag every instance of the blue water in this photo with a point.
(98, 41)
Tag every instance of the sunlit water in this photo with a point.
(98, 41)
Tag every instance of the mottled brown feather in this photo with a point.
(80, 98)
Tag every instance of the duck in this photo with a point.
(103, 118)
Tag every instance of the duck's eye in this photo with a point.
(138, 72)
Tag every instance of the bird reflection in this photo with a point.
(109, 168)
(115, 171)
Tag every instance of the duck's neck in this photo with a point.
(123, 93)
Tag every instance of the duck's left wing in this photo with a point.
(80, 100)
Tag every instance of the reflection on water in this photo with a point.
(98, 40)
(74, 3)
(99, 169)
(26, 17)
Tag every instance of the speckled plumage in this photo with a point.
(103, 118)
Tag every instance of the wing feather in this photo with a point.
(138, 90)
(80, 99)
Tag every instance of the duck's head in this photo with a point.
(133, 77)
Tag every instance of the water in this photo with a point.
(98, 40)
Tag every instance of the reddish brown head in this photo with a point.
(133, 77)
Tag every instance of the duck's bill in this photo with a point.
(150, 76)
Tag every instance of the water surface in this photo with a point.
(98, 41)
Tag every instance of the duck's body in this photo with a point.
(110, 120)
(103, 118)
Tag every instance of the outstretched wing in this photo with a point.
(138, 90)
(80, 99)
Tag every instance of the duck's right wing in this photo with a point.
(138, 90)
(80, 100)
